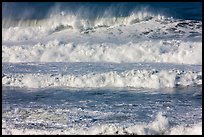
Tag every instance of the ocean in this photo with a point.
(130, 68)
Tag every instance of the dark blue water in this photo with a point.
(27, 10)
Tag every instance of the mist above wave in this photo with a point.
(77, 21)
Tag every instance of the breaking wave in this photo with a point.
(75, 21)
(148, 51)
(133, 78)
(160, 126)
(140, 36)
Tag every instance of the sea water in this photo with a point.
(102, 68)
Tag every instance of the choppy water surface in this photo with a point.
(102, 68)
(54, 109)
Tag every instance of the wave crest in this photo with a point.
(133, 78)
(77, 22)
(148, 51)
(160, 126)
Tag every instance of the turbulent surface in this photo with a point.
(102, 111)
(139, 38)
(98, 75)
(118, 41)
(137, 74)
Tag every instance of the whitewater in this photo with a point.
(69, 74)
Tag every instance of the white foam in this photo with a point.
(144, 22)
(160, 126)
(25, 33)
(133, 78)
(140, 37)
(147, 51)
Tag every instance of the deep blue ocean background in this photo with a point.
(28, 10)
